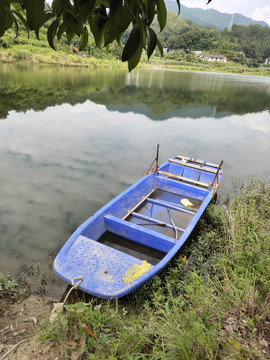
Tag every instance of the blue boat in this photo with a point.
(134, 237)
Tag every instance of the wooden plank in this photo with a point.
(138, 204)
(198, 161)
(195, 182)
(213, 171)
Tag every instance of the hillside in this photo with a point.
(211, 17)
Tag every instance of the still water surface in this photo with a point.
(72, 139)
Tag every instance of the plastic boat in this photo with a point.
(133, 237)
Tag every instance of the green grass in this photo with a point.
(31, 50)
(214, 306)
(8, 287)
(35, 55)
(24, 49)
(229, 67)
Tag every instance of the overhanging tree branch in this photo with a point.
(105, 19)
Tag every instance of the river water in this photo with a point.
(72, 139)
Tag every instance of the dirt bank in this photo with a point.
(19, 324)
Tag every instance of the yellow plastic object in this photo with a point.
(186, 203)
(135, 271)
(183, 258)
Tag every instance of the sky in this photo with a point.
(255, 9)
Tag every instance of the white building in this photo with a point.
(211, 57)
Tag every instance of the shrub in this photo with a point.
(22, 55)
(8, 286)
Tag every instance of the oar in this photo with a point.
(175, 230)
(153, 223)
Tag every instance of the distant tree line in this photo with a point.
(244, 44)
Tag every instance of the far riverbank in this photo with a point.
(19, 55)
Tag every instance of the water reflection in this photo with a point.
(59, 165)
(159, 95)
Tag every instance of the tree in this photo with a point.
(105, 19)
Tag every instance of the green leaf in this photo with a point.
(34, 14)
(179, 6)
(101, 21)
(143, 36)
(115, 8)
(62, 28)
(75, 26)
(151, 12)
(46, 17)
(101, 10)
(133, 62)
(70, 35)
(83, 39)
(116, 25)
(16, 26)
(59, 6)
(111, 32)
(3, 12)
(6, 17)
(96, 31)
(51, 32)
(152, 41)
(126, 18)
(160, 48)
(22, 19)
(85, 10)
(71, 15)
(9, 19)
(162, 14)
(132, 44)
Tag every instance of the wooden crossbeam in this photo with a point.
(194, 166)
(138, 204)
(191, 181)
(197, 161)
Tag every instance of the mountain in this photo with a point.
(211, 17)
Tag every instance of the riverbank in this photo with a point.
(206, 66)
(19, 54)
(215, 305)
(25, 56)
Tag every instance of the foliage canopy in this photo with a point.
(106, 20)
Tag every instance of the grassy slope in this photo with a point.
(31, 50)
(36, 55)
(229, 67)
(214, 306)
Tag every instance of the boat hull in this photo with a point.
(149, 214)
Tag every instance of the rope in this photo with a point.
(74, 286)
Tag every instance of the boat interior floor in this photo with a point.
(156, 224)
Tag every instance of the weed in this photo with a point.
(8, 286)
(213, 306)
